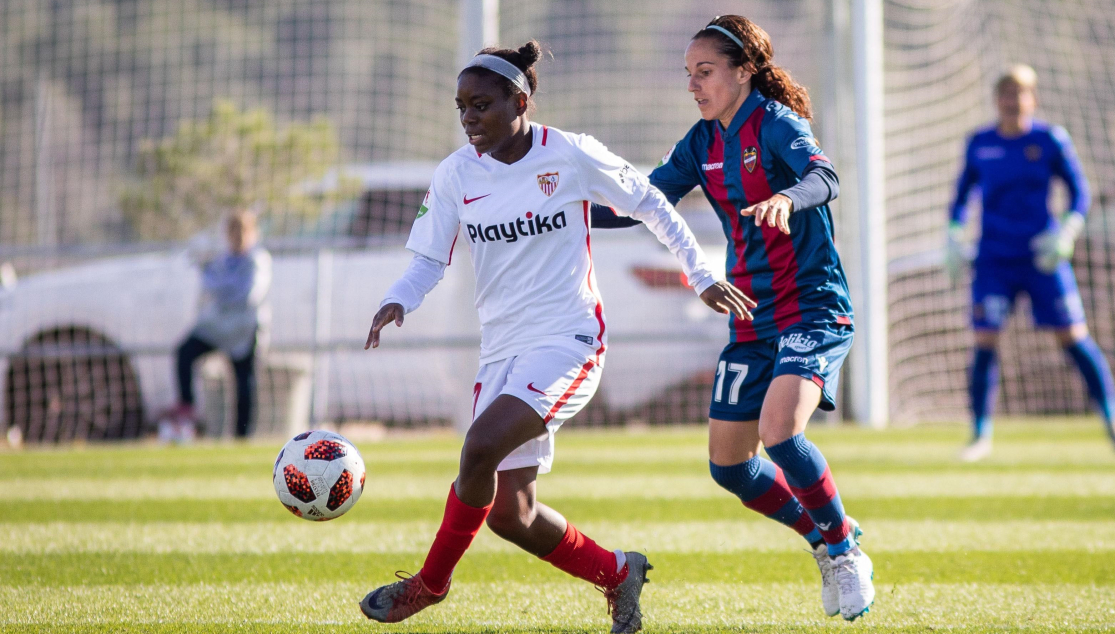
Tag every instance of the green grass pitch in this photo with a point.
(147, 539)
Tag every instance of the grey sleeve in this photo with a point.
(819, 185)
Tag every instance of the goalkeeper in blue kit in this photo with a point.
(1022, 247)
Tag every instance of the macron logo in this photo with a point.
(472, 200)
(708, 167)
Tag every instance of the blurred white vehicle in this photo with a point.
(88, 350)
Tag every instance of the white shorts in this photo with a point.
(556, 379)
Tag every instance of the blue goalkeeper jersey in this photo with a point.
(1013, 176)
(794, 278)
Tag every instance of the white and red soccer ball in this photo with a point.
(319, 475)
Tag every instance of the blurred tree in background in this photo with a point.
(232, 159)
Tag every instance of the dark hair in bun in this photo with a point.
(524, 59)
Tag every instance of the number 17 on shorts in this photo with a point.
(746, 369)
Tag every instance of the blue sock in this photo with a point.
(762, 487)
(814, 536)
(1097, 375)
(982, 386)
(812, 483)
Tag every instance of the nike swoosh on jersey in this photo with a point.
(472, 200)
(530, 386)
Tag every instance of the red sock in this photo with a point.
(459, 526)
(581, 557)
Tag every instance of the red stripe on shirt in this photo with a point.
(476, 398)
(451, 247)
(591, 363)
(741, 279)
(545, 133)
(780, 247)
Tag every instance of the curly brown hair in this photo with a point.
(756, 56)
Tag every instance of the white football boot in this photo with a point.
(978, 450)
(854, 578)
(830, 590)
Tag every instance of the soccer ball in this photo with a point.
(319, 475)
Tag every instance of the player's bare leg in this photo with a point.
(518, 517)
(506, 424)
(521, 519)
(788, 404)
(732, 442)
(733, 449)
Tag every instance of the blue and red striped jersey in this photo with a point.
(794, 278)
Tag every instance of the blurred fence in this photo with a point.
(85, 87)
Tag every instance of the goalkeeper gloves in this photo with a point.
(1054, 245)
(956, 252)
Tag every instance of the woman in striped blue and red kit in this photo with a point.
(754, 156)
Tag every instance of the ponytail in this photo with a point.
(746, 44)
(775, 83)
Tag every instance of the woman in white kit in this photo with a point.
(522, 192)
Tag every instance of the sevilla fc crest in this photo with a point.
(548, 183)
(750, 158)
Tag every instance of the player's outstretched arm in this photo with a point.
(671, 230)
(406, 294)
(725, 298)
(775, 211)
(819, 185)
(612, 182)
(387, 314)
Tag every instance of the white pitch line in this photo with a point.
(852, 486)
(297, 536)
(568, 604)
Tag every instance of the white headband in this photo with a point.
(503, 67)
(726, 32)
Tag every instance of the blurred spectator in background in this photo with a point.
(233, 318)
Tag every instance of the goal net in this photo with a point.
(941, 61)
(128, 128)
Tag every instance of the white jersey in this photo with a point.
(527, 228)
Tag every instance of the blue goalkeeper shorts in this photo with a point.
(1054, 297)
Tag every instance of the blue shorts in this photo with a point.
(745, 370)
(1054, 298)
